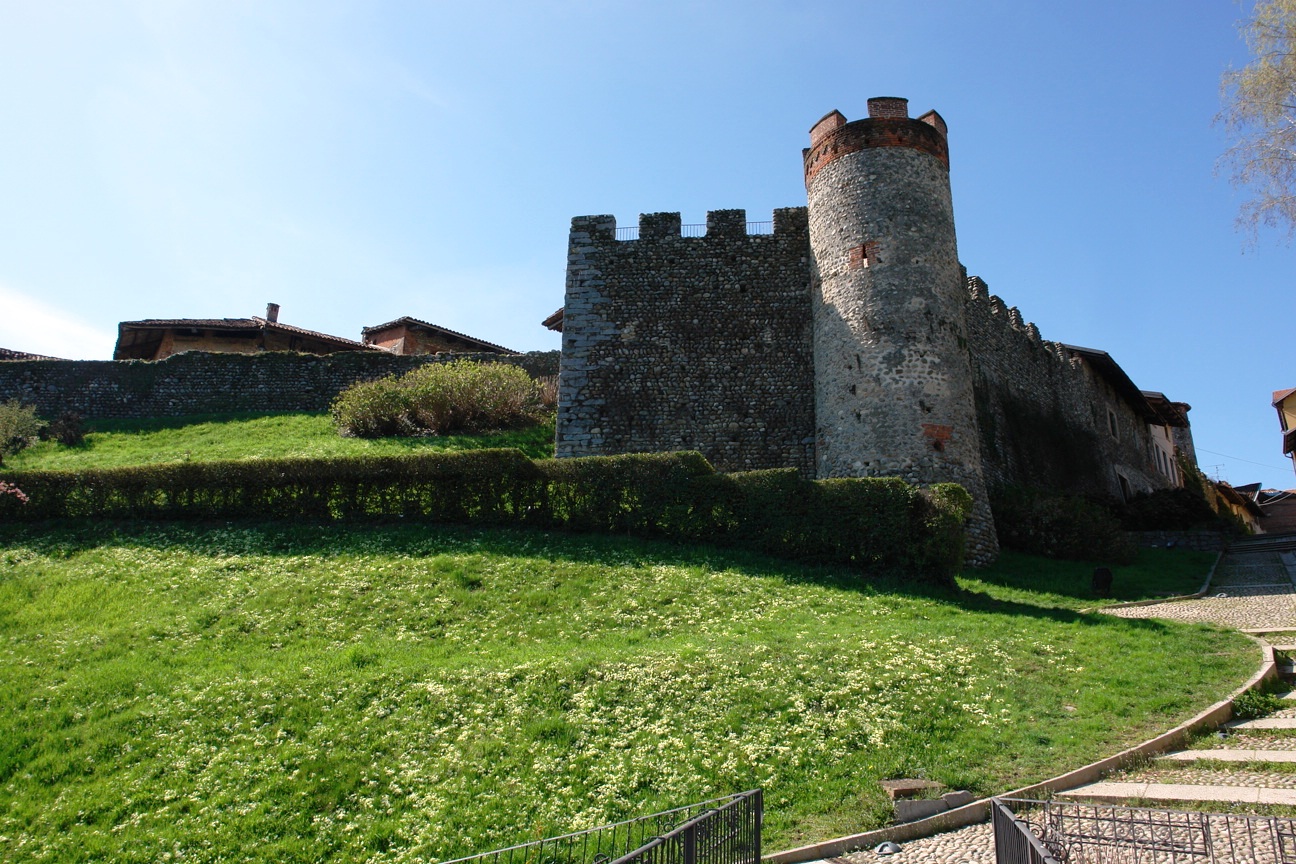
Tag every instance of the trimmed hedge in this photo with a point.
(1059, 526)
(875, 524)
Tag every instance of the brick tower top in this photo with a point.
(888, 125)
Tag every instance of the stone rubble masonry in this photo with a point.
(201, 383)
(689, 343)
(849, 342)
(1043, 413)
(893, 384)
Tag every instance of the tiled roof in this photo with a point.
(253, 323)
(554, 321)
(1280, 395)
(10, 354)
(205, 323)
(277, 325)
(408, 321)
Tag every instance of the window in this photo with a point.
(1111, 423)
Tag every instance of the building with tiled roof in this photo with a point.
(10, 354)
(156, 338)
(408, 335)
(1284, 401)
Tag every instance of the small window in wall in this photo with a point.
(1111, 423)
(1126, 494)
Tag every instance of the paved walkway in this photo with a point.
(1254, 588)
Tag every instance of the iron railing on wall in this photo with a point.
(696, 230)
(720, 831)
(1053, 832)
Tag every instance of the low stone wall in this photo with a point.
(201, 383)
(1200, 541)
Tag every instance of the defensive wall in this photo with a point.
(705, 343)
(1047, 418)
(848, 341)
(689, 343)
(200, 383)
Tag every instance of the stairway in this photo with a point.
(1246, 762)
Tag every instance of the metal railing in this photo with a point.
(721, 831)
(1015, 842)
(696, 230)
(1053, 832)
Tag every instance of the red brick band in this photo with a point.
(875, 132)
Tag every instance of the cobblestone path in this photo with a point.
(1252, 588)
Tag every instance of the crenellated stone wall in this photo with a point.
(200, 383)
(689, 343)
(1043, 413)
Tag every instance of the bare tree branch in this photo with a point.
(1260, 115)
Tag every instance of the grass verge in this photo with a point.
(395, 693)
(117, 443)
(1154, 575)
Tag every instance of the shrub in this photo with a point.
(19, 427)
(68, 430)
(460, 396)
(1059, 526)
(1168, 510)
(1256, 703)
(12, 490)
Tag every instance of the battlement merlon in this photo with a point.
(788, 223)
(888, 125)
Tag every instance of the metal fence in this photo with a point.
(698, 229)
(1053, 832)
(720, 831)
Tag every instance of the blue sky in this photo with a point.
(359, 161)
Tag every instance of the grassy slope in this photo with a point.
(1157, 573)
(403, 692)
(136, 442)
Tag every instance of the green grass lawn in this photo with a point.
(402, 692)
(1156, 574)
(114, 443)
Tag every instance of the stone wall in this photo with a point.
(689, 343)
(1043, 413)
(199, 383)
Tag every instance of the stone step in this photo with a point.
(1230, 755)
(1118, 792)
(1255, 631)
(1263, 723)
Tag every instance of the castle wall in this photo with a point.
(199, 383)
(1043, 413)
(689, 343)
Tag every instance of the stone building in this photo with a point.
(843, 339)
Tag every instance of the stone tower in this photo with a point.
(893, 378)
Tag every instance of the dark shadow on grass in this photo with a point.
(64, 538)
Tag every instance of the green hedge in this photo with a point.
(880, 524)
(1059, 526)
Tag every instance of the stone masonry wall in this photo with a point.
(1042, 413)
(200, 383)
(689, 343)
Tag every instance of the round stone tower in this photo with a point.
(893, 381)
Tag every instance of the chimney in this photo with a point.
(272, 312)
